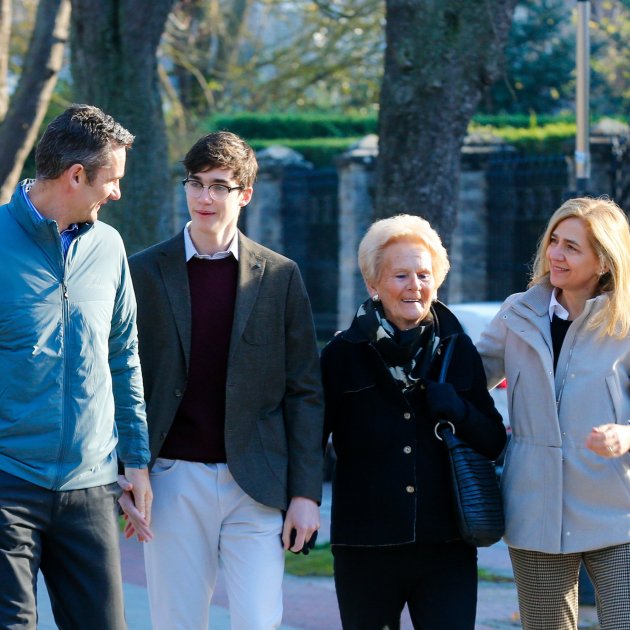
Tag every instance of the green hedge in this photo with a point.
(279, 126)
(551, 138)
(520, 120)
(554, 138)
(320, 151)
(321, 137)
(319, 125)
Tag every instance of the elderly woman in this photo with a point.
(393, 531)
(564, 346)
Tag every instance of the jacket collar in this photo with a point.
(172, 263)
(251, 268)
(42, 229)
(38, 228)
(536, 300)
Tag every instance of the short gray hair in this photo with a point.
(84, 135)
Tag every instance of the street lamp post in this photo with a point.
(582, 149)
(586, 592)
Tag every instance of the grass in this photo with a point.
(319, 563)
(487, 576)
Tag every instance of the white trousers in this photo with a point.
(202, 520)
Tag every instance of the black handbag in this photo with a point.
(477, 498)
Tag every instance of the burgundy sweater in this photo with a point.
(198, 431)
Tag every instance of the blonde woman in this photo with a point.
(393, 531)
(564, 346)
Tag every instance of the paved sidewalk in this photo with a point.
(310, 603)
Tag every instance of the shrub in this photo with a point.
(302, 126)
(321, 137)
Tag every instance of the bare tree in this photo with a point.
(114, 66)
(268, 55)
(202, 40)
(440, 57)
(29, 103)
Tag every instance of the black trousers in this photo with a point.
(437, 582)
(72, 536)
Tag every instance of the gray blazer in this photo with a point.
(560, 497)
(274, 408)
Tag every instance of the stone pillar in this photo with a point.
(609, 138)
(262, 219)
(356, 170)
(469, 243)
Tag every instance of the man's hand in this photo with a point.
(609, 440)
(136, 501)
(303, 516)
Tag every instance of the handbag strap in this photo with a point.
(449, 347)
(446, 360)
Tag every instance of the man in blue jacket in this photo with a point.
(70, 382)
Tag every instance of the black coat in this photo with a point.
(391, 481)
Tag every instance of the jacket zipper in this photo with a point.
(566, 368)
(65, 325)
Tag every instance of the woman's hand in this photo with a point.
(444, 403)
(609, 440)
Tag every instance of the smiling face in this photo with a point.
(405, 285)
(574, 267)
(213, 223)
(104, 187)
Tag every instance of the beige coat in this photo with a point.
(560, 497)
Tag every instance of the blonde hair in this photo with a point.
(609, 235)
(402, 227)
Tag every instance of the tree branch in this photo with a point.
(32, 95)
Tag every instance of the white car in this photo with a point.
(474, 317)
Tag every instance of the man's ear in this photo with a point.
(75, 174)
(246, 196)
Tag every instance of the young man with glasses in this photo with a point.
(234, 405)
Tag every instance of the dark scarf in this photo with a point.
(407, 353)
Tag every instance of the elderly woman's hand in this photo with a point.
(609, 440)
(444, 403)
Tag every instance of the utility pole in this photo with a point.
(583, 171)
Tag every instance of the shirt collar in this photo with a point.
(73, 228)
(555, 308)
(26, 186)
(191, 250)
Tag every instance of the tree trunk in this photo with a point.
(5, 37)
(440, 57)
(28, 106)
(114, 66)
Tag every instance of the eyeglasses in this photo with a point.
(218, 192)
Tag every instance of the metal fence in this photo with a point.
(523, 192)
(310, 220)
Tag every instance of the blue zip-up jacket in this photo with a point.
(70, 381)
